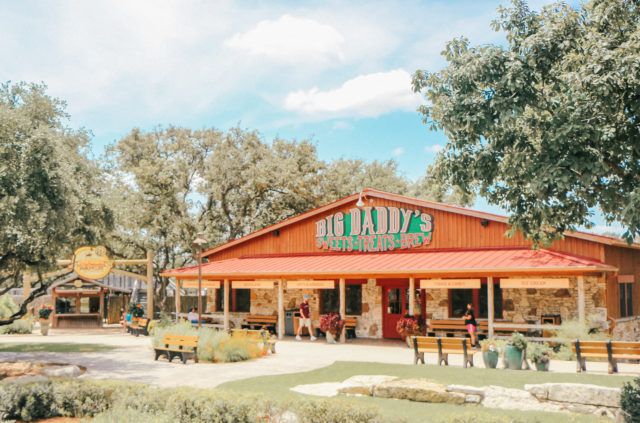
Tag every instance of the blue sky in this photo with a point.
(337, 73)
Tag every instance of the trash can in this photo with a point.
(289, 319)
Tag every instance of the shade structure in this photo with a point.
(496, 261)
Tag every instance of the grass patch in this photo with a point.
(278, 387)
(54, 347)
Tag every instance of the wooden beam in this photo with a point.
(150, 285)
(129, 274)
(490, 305)
(281, 309)
(177, 294)
(101, 307)
(226, 304)
(581, 317)
(134, 262)
(412, 295)
(342, 309)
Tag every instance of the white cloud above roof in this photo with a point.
(290, 39)
(367, 95)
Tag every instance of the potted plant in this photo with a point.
(136, 312)
(44, 313)
(490, 353)
(540, 354)
(514, 349)
(407, 326)
(331, 324)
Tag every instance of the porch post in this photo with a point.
(226, 304)
(342, 308)
(281, 309)
(412, 294)
(150, 287)
(101, 307)
(490, 304)
(581, 318)
(177, 300)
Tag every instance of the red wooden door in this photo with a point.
(393, 308)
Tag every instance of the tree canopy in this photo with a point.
(50, 192)
(547, 125)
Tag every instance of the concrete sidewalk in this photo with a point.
(133, 358)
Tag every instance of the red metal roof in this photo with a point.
(487, 262)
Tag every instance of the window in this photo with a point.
(330, 299)
(626, 299)
(478, 298)
(65, 305)
(239, 300)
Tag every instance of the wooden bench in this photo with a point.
(179, 341)
(268, 340)
(611, 350)
(350, 324)
(256, 321)
(458, 327)
(443, 347)
(138, 327)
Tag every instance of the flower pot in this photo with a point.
(330, 338)
(490, 359)
(543, 366)
(514, 357)
(409, 340)
(44, 327)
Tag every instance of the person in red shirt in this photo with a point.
(305, 319)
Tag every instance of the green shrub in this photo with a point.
(518, 340)
(479, 416)
(125, 415)
(181, 328)
(8, 307)
(630, 401)
(22, 326)
(123, 401)
(568, 332)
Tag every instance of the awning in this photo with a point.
(459, 262)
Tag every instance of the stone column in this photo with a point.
(342, 308)
(281, 309)
(177, 294)
(226, 304)
(581, 317)
(490, 305)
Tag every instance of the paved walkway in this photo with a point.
(133, 358)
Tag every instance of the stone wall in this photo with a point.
(437, 304)
(524, 305)
(627, 329)
(370, 322)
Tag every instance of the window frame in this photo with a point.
(337, 290)
(476, 302)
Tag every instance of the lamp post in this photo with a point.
(197, 244)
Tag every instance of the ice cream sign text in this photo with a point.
(372, 229)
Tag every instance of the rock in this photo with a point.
(538, 391)
(563, 293)
(515, 399)
(583, 394)
(472, 399)
(417, 390)
(373, 330)
(363, 384)
(61, 371)
(365, 307)
(288, 417)
(464, 389)
(328, 389)
(507, 305)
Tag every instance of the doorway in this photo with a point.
(395, 304)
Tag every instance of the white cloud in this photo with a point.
(340, 124)
(365, 95)
(433, 148)
(398, 151)
(290, 39)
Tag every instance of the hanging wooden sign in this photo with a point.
(450, 283)
(92, 262)
(193, 283)
(626, 278)
(257, 284)
(539, 283)
(311, 284)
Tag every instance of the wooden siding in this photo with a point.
(628, 261)
(451, 230)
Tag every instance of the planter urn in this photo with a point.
(331, 339)
(490, 359)
(513, 357)
(44, 327)
(543, 366)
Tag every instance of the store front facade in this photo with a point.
(379, 256)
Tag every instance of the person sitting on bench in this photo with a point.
(192, 316)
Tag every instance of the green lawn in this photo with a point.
(278, 387)
(53, 347)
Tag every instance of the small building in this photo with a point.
(378, 256)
